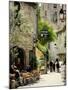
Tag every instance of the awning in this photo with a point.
(61, 54)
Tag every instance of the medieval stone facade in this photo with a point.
(22, 21)
(51, 14)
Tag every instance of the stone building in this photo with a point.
(55, 15)
(22, 27)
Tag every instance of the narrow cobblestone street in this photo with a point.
(37, 40)
(50, 79)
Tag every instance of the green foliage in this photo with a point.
(42, 26)
(42, 43)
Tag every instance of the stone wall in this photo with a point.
(22, 26)
(47, 14)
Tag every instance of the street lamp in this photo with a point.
(61, 14)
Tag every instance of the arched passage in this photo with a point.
(17, 57)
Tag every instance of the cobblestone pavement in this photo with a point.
(50, 79)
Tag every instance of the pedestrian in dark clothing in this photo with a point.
(54, 67)
(51, 65)
(57, 65)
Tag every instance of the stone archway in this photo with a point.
(17, 57)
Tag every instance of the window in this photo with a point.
(45, 13)
(55, 6)
(55, 17)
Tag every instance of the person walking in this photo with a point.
(54, 66)
(57, 65)
(51, 66)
